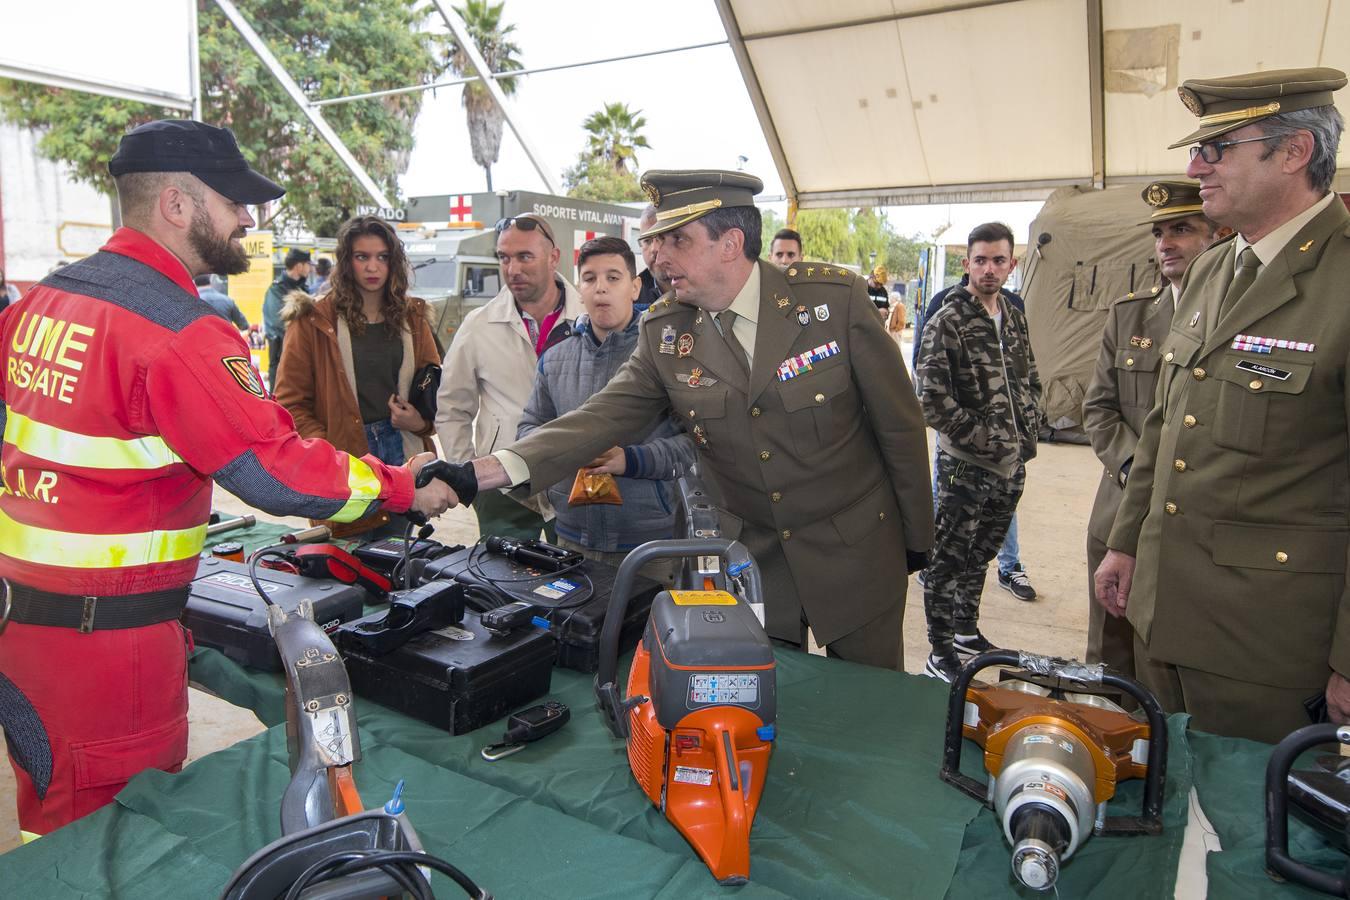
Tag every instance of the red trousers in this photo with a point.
(113, 703)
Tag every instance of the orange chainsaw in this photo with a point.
(701, 700)
(1055, 749)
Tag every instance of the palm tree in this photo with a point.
(615, 134)
(484, 22)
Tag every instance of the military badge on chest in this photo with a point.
(668, 340)
(695, 378)
(803, 317)
(686, 345)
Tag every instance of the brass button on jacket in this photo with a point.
(1179, 465)
(1167, 357)
(755, 411)
(1199, 373)
(775, 496)
(787, 533)
(1129, 361)
(1170, 508)
(764, 455)
(820, 398)
(1188, 421)
(1281, 557)
(1256, 384)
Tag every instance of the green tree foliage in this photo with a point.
(771, 226)
(616, 134)
(484, 22)
(853, 236)
(595, 179)
(330, 47)
(601, 171)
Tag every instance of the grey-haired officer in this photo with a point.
(1237, 508)
(1121, 391)
(799, 405)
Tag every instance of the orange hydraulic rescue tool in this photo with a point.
(1055, 752)
(699, 715)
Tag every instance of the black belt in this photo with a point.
(87, 613)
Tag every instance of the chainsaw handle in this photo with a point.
(607, 691)
(1278, 860)
(1150, 818)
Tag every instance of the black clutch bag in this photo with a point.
(422, 395)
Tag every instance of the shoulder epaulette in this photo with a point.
(809, 272)
(666, 305)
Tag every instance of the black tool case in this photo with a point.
(458, 678)
(225, 612)
(581, 598)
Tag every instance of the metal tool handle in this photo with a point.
(230, 525)
(1150, 819)
(607, 691)
(317, 533)
(1278, 861)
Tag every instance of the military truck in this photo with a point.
(451, 242)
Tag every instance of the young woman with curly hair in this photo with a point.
(349, 355)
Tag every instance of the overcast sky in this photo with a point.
(697, 109)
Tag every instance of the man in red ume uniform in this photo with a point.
(123, 396)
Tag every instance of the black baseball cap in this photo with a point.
(208, 152)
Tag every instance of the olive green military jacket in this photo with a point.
(1238, 503)
(818, 460)
(1121, 392)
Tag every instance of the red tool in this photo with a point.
(328, 561)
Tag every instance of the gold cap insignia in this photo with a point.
(652, 193)
(1157, 195)
(1191, 101)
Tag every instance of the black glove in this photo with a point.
(916, 561)
(461, 477)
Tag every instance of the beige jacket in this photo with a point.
(487, 378)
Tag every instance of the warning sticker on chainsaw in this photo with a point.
(691, 775)
(702, 598)
(742, 690)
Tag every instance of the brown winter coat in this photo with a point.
(316, 381)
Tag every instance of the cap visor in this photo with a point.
(245, 186)
(1172, 215)
(671, 225)
(1210, 133)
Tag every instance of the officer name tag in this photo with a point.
(1247, 365)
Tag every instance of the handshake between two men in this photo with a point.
(443, 485)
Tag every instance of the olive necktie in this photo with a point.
(725, 320)
(1248, 268)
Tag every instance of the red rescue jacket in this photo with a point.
(123, 396)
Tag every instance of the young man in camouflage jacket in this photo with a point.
(980, 391)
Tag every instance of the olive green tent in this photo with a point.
(1086, 249)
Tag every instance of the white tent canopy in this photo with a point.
(895, 102)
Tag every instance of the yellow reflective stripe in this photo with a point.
(97, 551)
(364, 488)
(74, 449)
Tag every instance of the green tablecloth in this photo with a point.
(1231, 782)
(853, 806)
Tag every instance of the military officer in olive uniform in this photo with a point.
(1237, 507)
(1122, 388)
(799, 405)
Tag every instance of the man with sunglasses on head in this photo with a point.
(1228, 555)
(490, 367)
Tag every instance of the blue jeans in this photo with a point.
(386, 443)
(1010, 554)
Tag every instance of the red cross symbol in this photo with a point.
(581, 237)
(461, 208)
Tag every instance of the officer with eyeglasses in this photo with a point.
(1228, 555)
(489, 370)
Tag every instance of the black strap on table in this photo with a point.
(88, 613)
